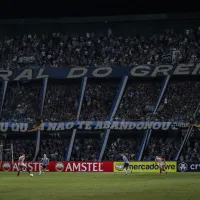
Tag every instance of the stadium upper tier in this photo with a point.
(164, 99)
(121, 99)
(104, 47)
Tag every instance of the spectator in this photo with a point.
(191, 149)
(98, 99)
(61, 50)
(86, 149)
(125, 144)
(22, 101)
(61, 102)
(180, 101)
(166, 144)
(138, 97)
(54, 145)
(19, 147)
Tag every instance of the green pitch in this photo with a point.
(100, 186)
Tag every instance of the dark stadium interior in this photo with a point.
(99, 86)
(170, 40)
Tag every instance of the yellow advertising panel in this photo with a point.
(145, 166)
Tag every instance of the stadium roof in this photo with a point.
(95, 19)
(59, 8)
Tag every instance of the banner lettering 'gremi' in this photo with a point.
(89, 125)
(99, 72)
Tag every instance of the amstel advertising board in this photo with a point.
(61, 166)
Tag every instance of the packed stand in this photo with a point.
(180, 101)
(160, 146)
(128, 145)
(98, 100)
(164, 144)
(191, 149)
(22, 102)
(86, 149)
(58, 49)
(19, 147)
(61, 102)
(55, 148)
(138, 100)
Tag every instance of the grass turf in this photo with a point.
(100, 186)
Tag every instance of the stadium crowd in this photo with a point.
(19, 146)
(166, 144)
(60, 50)
(98, 100)
(61, 102)
(117, 144)
(55, 148)
(23, 100)
(191, 149)
(139, 98)
(181, 101)
(85, 149)
(88, 148)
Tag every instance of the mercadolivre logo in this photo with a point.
(119, 167)
(146, 166)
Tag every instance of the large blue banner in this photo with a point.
(99, 72)
(89, 125)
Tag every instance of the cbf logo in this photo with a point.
(183, 167)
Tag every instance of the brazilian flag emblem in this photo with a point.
(35, 126)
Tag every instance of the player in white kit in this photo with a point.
(21, 164)
(161, 163)
(126, 163)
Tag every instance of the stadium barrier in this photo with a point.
(188, 167)
(145, 166)
(62, 166)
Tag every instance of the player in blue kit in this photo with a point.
(126, 163)
(45, 162)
